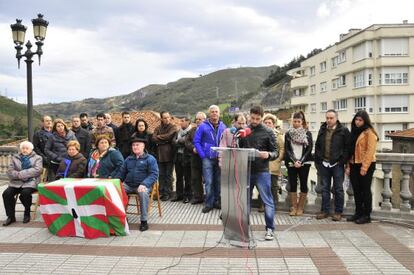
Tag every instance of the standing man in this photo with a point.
(331, 156)
(263, 139)
(40, 138)
(85, 123)
(163, 136)
(208, 135)
(82, 135)
(108, 122)
(196, 165)
(123, 135)
(182, 163)
(102, 130)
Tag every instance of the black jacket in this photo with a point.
(88, 127)
(84, 138)
(56, 146)
(77, 167)
(39, 143)
(306, 151)
(340, 143)
(123, 138)
(262, 139)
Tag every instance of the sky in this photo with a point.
(101, 48)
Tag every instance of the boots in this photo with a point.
(301, 204)
(294, 202)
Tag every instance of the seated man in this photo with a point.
(138, 173)
(24, 174)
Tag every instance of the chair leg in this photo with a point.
(36, 206)
(137, 203)
(159, 201)
(151, 199)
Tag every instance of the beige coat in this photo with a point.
(274, 166)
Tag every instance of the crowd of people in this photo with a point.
(139, 158)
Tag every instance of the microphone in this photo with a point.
(233, 130)
(242, 133)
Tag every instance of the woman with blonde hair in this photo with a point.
(298, 148)
(55, 148)
(73, 164)
(24, 173)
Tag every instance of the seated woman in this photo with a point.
(73, 164)
(139, 172)
(105, 161)
(24, 173)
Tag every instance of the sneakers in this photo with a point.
(322, 215)
(269, 236)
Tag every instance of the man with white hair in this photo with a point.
(208, 135)
(24, 173)
(109, 123)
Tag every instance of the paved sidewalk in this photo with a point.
(188, 240)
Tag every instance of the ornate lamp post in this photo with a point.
(39, 31)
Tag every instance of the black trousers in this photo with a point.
(302, 173)
(197, 177)
(10, 202)
(165, 177)
(183, 176)
(362, 189)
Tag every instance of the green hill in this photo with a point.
(184, 96)
(13, 120)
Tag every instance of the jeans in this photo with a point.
(337, 173)
(165, 177)
(263, 183)
(10, 203)
(143, 200)
(362, 189)
(211, 174)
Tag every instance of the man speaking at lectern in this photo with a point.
(262, 139)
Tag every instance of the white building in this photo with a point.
(371, 69)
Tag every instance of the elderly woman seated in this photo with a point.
(73, 164)
(24, 173)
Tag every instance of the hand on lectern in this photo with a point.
(264, 154)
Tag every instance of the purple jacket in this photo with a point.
(206, 137)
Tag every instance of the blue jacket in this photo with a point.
(206, 137)
(109, 164)
(136, 171)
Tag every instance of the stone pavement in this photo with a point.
(187, 241)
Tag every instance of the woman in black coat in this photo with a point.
(73, 164)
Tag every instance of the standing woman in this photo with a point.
(55, 148)
(104, 162)
(141, 131)
(298, 148)
(361, 166)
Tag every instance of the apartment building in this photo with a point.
(370, 69)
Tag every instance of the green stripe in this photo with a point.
(91, 196)
(53, 196)
(96, 223)
(59, 223)
(117, 226)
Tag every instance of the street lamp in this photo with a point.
(18, 32)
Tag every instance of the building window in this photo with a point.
(335, 83)
(342, 57)
(299, 92)
(394, 104)
(360, 103)
(362, 51)
(394, 46)
(341, 104)
(334, 62)
(312, 89)
(323, 87)
(342, 81)
(312, 126)
(313, 108)
(359, 79)
(395, 78)
(323, 66)
(312, 70)
(324, 106)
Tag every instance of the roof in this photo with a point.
(409, 133)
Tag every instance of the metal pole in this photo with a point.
(29, 99)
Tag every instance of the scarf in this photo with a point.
(93, 164)
(25, 162)
(298, 136)
(355, 132)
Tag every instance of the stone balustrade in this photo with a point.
(5, 153)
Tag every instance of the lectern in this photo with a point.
(235, 193)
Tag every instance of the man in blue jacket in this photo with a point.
(208, 135)
(138, 173)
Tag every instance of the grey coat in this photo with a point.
(28, 177)
(55, 148)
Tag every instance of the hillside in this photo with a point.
(13, 120)
(184, 96)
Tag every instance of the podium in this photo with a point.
(235, 193)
